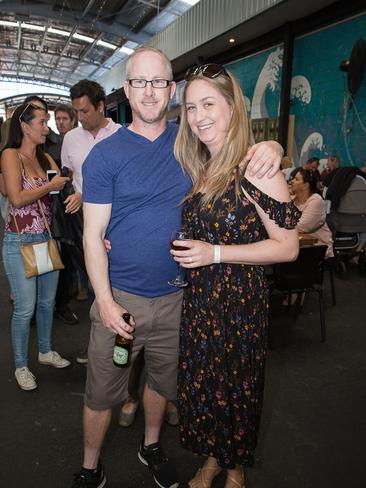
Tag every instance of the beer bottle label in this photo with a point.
(120, 355)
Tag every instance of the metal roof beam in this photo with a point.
(44, 10)
(85, 54)
(67, 43)
(19, 43)
(88, 7)
(40, 48)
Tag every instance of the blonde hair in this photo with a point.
(152, 50)
(218, 172)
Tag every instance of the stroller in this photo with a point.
(347, 217)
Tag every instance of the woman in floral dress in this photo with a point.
(238, 223)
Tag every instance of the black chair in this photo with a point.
(303, 275)
(330, 265)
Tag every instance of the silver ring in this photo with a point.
(191, 260)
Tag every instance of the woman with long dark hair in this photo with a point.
(24, 166)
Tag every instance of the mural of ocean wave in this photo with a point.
(268, 79)
(312, 146)
(300, 89)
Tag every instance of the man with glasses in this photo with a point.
(132, 190)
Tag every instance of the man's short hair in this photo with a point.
(90, 89)
(152, 50)
(63, 107)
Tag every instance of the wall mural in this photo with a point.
(324, 123)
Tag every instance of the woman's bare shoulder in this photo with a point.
(8, 154)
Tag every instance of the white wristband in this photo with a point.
(217, 254)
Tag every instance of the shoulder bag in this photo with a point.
(39, 257)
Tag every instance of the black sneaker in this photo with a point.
(89, 478)
(165, 473)
(66, 315)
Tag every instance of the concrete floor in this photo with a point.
(313, 427)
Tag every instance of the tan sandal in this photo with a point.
(126, 419)
(201, 479)
(233, 483)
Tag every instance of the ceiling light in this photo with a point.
(232, 40)
(83, 38)
(35, 27)
(190, 2)
(8, 23)
(60, 32)
(126, 50)
(106, 44)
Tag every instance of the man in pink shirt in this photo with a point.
(88, 102)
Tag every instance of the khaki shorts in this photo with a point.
(157, 330)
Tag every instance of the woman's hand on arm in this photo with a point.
(264, 159)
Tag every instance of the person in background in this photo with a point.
(129, 407)
(238, 223)
(65, 118)
(306, 197)
(333, 164)
(88, 103)
(286, 167)
(24, 167)
(132, 187)
(52, 147)
(4, 202)
(312, 164)
(53, 143)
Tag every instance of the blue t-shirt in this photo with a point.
(145, 185)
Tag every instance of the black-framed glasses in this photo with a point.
(34, 107)
(156, 83)
(210, 70)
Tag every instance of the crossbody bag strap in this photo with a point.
(31, 181)
(15, 221)
(12, 208)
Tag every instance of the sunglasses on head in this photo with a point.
(208, 70)
(34, 107)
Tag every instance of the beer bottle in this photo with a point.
(122, 347)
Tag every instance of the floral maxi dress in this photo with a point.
(224, 330)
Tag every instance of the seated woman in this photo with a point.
(24, 166)
(304, 189)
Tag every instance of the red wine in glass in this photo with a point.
(177, 248)
(179, 235)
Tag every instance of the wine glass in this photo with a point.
(179, 235)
